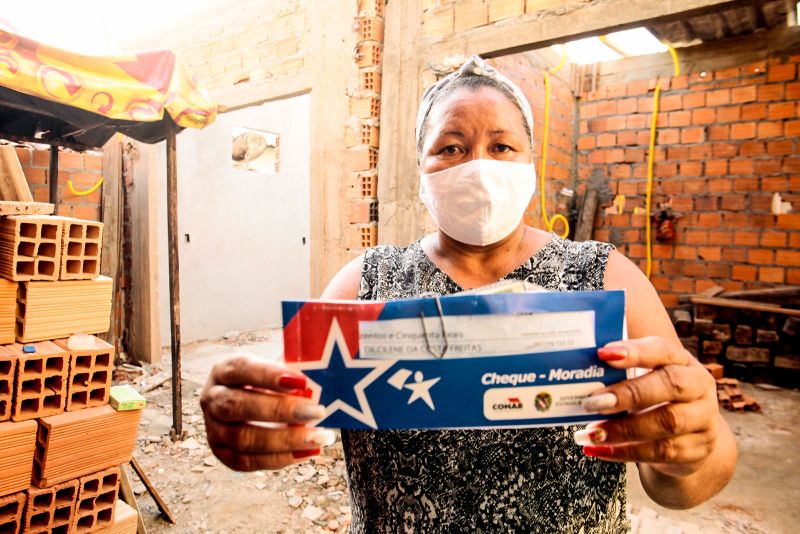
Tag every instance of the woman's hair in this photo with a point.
(471, 83)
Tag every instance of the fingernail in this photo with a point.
(597, 403)
(587, 436)
(612, 354)
(597, 450)
(290, 381)
(320, 438)
(309, 412)
(305, 454)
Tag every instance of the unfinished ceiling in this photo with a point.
(733, 22)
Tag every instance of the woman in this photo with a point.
(475, 158)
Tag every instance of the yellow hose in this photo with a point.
(550, 222)
(89, 191)
(650, 161)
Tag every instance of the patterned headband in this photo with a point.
(475, 66)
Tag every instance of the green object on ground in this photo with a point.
(126, 398)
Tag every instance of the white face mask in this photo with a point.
(479, 202)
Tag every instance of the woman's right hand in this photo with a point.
(253, 420)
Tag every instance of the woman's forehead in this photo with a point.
(485, 104)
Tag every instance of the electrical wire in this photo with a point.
(549, 222)
(676, 68)
(85, 192)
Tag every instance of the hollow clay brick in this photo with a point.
(50, 310)
(17, 446)
(90, 373)
(74, 444)
(8, 308)
(12, 508)
(8, 367)
(30, 247)
(125, 520)
(97, 497)
(80, 249)
(50, 510)
(41, 381)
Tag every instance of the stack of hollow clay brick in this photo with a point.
(61, 444)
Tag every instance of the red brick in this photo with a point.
(790, 258)
(754, 112)
(729, 114)
(770, 92)
(741, 166)
(588, 110)
(793, 276)
(637, 122)
(607, 107)
(759, 69)
(694, 100)
(627, 138)
(701, 77)
(790, 221)
(616, 123)
(683, 252)
(746, 93)
(780, 146)
(704, 115)
(767, 166)
(692, 135)
(699, 152)
(41, 158)
(680, 118)
(720, 97)
(586, 142)
(781, 73)
(719, 237)
(668, 136)
(627, 105)
(645, 105)
(752, 148)
(770, 129)
(666, 170)
(725, 150)
(70, 160)
(743, 130)
(744, 272)
(746, 183)
(771, 274)
(773, 239)
(709, 253)
(719, 132)
(760, 256)
(691, 168)
(747, 238)
(696, 237)
(705, 203)
(791, 164)
(792, 128)
(793, 91)
(716, 167)
(733, 202)
(737, 255)
(670, 103)
(781, 110)
(607, 139)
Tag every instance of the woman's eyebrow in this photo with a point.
(456, 133)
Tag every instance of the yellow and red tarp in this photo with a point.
(141, 87)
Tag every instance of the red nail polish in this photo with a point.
(612, 354)
(305, 454)
(289, 381)
(597, 450)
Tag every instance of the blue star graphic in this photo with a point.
(338, 381)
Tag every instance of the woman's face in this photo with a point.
(467, 125)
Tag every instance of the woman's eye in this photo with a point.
(503, 148)
(450, 150)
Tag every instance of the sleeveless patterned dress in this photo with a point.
(464, 481)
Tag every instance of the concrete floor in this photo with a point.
(762, 498)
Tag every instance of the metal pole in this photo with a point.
(54, 177)
(174, 283)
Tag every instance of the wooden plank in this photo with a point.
(772, 292)
(744, 305)
(331, 29)
(13, 185)
(126, 492)
(174, 283)
(13, 207)
(400, 214)
(252, 94)
(112, 234)
(586, 219)
(724, 54)
(573, 20)
(145, 328)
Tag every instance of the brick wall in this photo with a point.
(527, 70)
(443, 18)
(727, 140)
(84, 169)
(244, 42)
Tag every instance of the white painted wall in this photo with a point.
(245, 252)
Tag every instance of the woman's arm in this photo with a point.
(345, 284)
(685, 450)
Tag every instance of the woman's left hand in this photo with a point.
(673, 414)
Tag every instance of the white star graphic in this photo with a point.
(421, 389)
(363, 413)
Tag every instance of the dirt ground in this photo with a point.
(206, 497)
